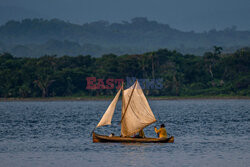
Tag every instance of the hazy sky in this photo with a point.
(198, 15)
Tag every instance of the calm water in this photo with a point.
(207, 133)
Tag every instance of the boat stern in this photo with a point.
(171, 139)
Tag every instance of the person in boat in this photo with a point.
(162, 132)
(140, 134)
(111, 135)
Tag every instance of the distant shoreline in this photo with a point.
(105, 98)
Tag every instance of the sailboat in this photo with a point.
(136, 114)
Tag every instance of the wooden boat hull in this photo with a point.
(117, 139)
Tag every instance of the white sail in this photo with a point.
(107, 116)
(137, 113)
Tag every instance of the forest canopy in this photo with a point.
(212, 74)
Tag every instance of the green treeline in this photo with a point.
(183, 75)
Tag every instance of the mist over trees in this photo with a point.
(37, 37)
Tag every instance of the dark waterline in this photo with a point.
(57, 133)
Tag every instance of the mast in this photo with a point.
(128, 101)
(123, 103)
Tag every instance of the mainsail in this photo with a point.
(107, 116)
(136, 113)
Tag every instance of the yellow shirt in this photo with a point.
(162, 132)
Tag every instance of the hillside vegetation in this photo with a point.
(37, 37)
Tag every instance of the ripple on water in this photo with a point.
(207, 133)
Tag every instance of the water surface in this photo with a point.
(207, 133)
